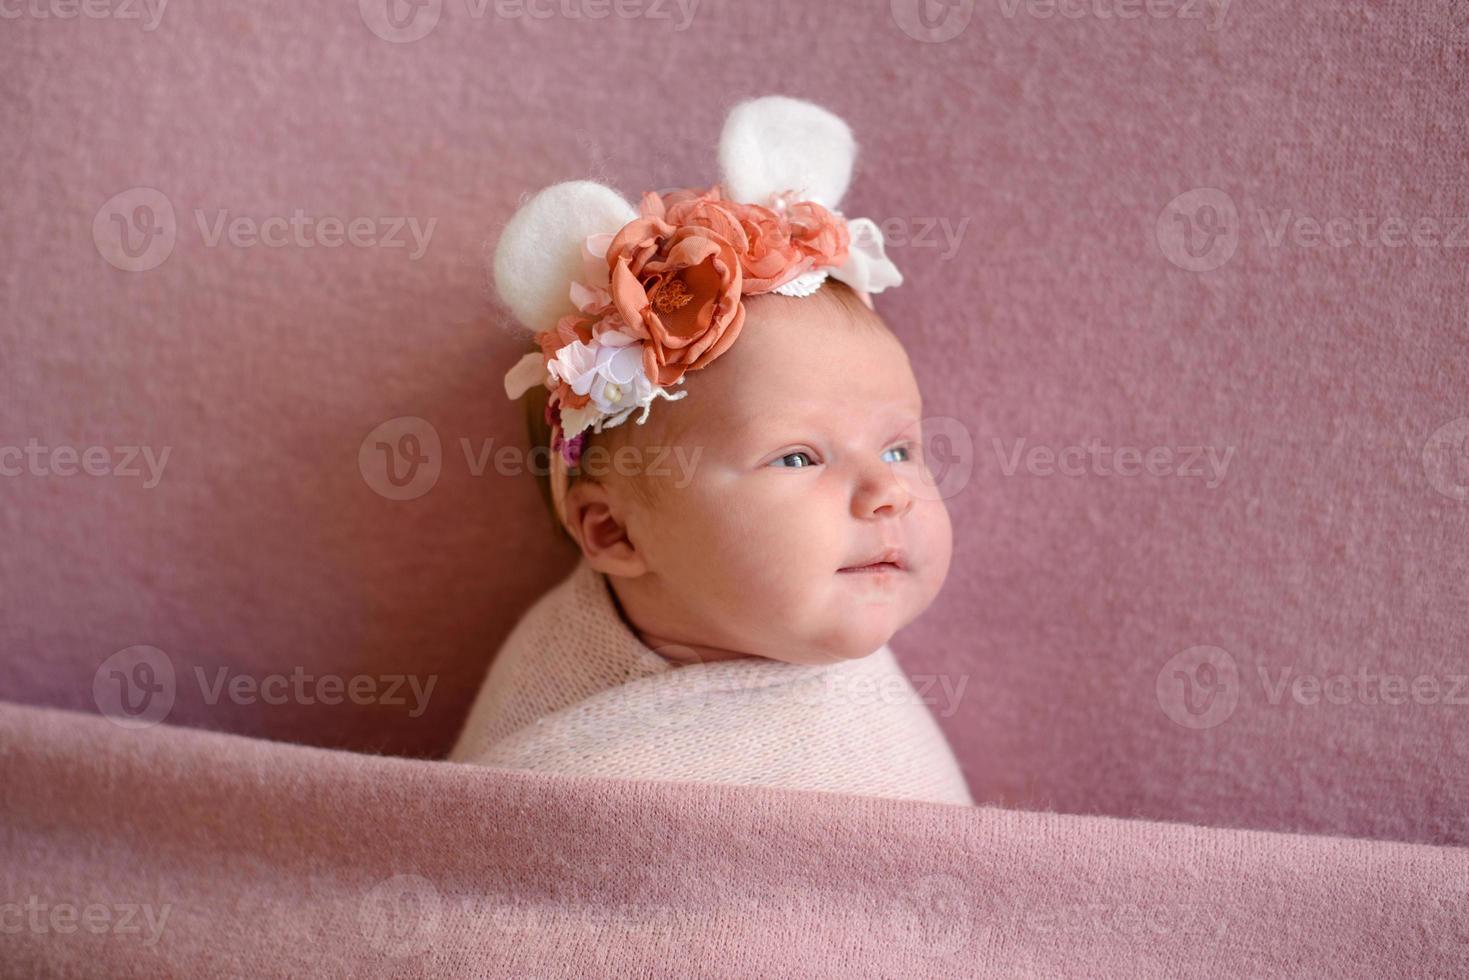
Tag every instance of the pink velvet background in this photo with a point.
(1054, 144)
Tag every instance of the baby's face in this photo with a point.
(809, 453)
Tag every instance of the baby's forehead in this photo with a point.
(809, 348)
(785, 379)
(798, 387)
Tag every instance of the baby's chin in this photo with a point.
(847, 630)
(806, 615)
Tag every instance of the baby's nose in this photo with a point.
(880, 494)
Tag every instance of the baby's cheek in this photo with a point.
(937, 532)
(724, 533)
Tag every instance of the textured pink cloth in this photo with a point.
(1029, 163)
(281, 860)
(1043, 172)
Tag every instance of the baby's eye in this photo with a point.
(797, 456)
(904, 451)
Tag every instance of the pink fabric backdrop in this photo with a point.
(1034, 167)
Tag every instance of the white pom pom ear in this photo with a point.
(540, 251)
(775, 144)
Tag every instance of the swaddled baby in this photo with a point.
(751, 542)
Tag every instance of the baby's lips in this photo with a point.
(894, 556)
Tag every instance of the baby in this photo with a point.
(749, 548)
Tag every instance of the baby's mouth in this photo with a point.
(885, 563)
(876, 568)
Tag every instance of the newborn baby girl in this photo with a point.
(749, 547)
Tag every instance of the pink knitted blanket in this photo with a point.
(573, 690)
(173, 852)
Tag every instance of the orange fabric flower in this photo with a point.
(774, 246)
(685, 295)
(678, 270)
(707, 210)
(770, 258)
(671, 300)
(573, 326)
(639, 242)
(818, 233)
(759, 235)
(675, 205)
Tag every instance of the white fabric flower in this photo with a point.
(528, 372)
(867, 269)
(609, 370)
(574, 420)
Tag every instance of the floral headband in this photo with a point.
(624, 303)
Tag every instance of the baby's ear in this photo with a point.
(598, 529)
(774, 144)
(539, 253)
